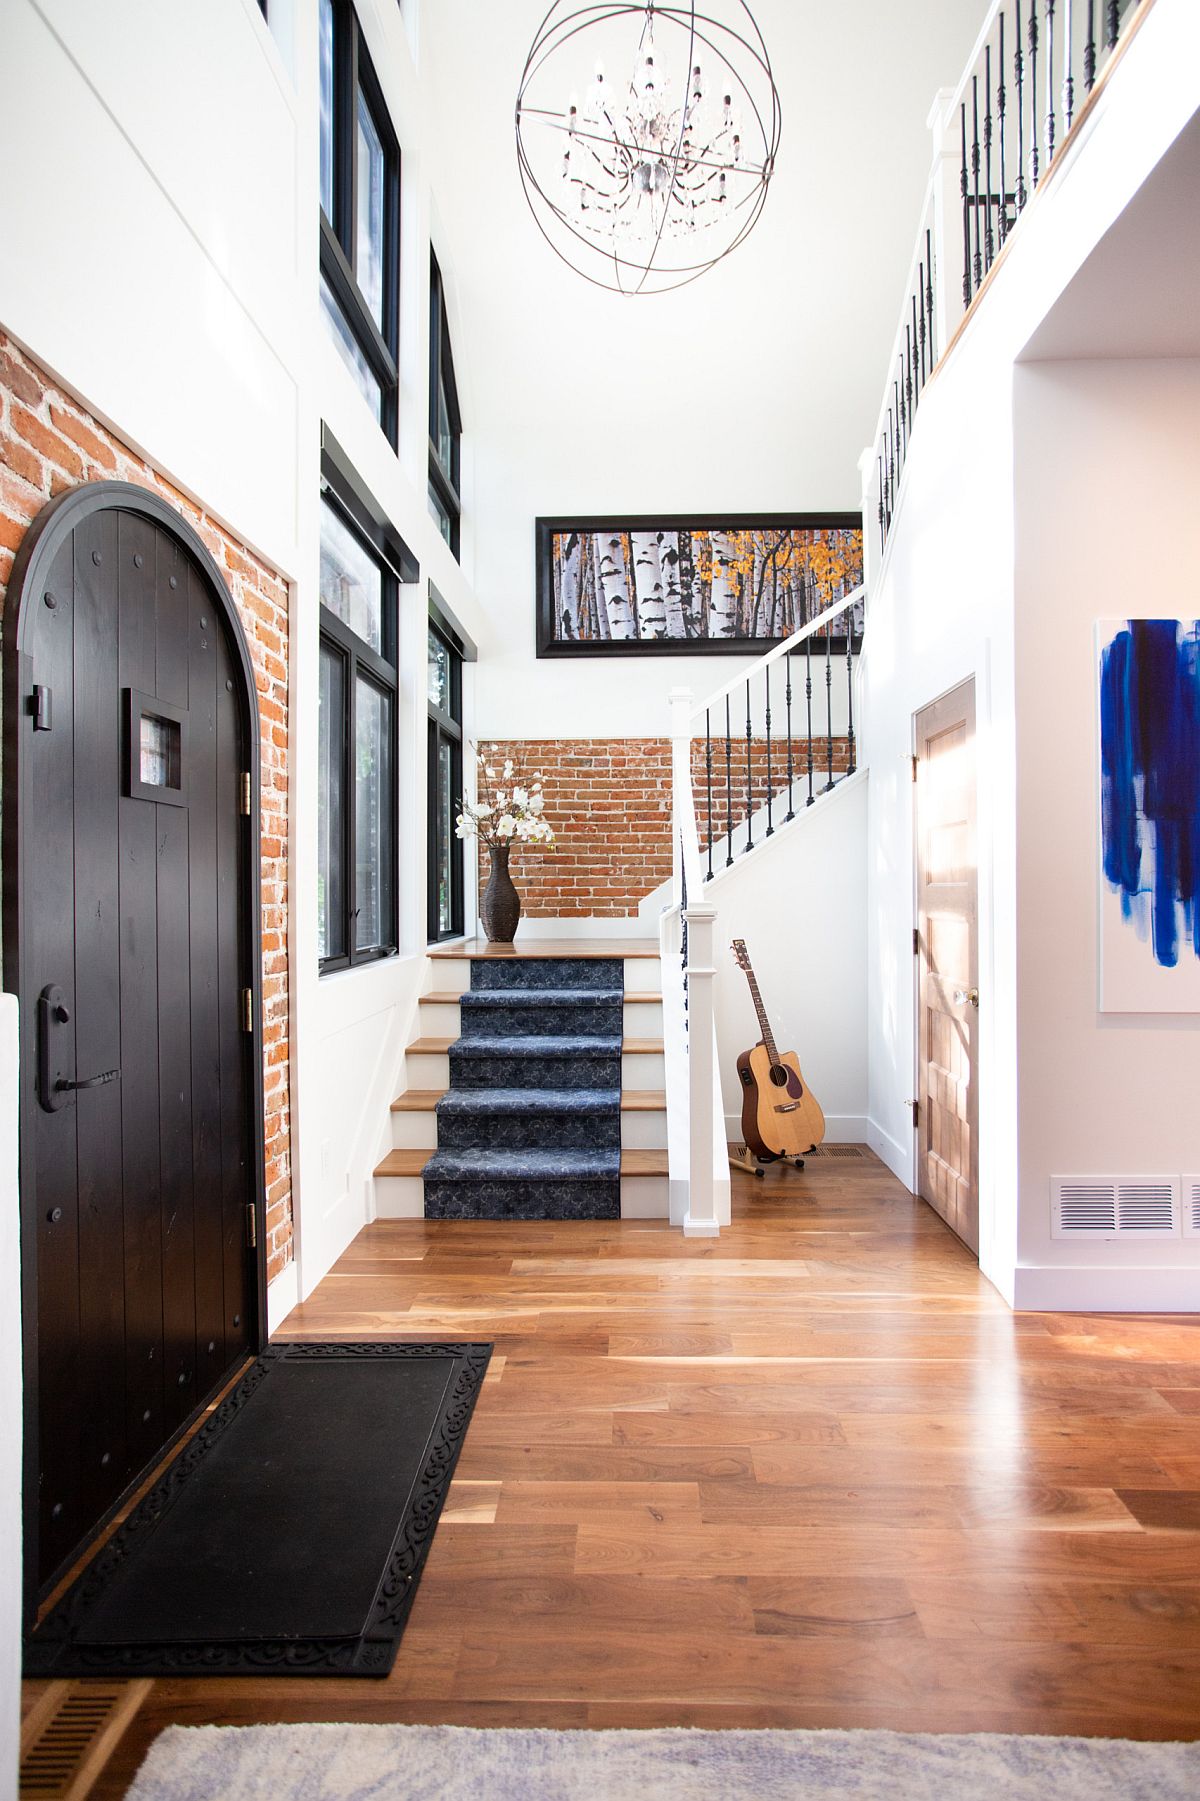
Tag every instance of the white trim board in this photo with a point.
(282, 1295)
(1051, 1288)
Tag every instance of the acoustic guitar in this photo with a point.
(780, 1113)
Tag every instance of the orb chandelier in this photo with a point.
(646, 137)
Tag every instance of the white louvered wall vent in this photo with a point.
(1191, 1206)
(1116, 1206)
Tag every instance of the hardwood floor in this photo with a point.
(813, 1473)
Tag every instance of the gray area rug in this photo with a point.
(456, 1763)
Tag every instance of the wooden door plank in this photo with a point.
(236, 1186)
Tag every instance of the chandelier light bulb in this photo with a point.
(652, 191)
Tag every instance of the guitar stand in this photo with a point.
(743, 1158)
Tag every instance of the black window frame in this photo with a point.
(353, 71)
(444, 483)
(445, 728)
(382, 669)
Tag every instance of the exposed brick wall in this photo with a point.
(609, 801)
(48, 442)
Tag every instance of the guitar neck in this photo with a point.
(763, 1023)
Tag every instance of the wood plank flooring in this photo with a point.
(812, 1473)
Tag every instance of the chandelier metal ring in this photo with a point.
(635, 192)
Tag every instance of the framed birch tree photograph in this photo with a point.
(692, 584)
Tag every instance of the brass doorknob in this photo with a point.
(966, 996)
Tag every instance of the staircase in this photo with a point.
(535, 1090)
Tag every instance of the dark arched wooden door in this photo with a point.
(131, 927)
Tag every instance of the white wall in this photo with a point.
(752, 389)
(10, 1405)
(942, 609)
(1098, 1093)
(800, 902)
(159, 208)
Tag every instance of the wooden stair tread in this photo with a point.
(417, 1100)
(644, 1163)
(476, 948)
(425, 1046)
(445, 997)
(404, 1163)
(642, 1047)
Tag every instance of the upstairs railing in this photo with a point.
(730, 790)
(996, 138)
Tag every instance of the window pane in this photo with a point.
(351, 580)
(372, 817)
(439, 674)
(350, 353)
(331, 738)
(369, 202)
(446, 839)
(439, 512)
(325, 33)
(445, 433)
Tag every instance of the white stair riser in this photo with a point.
(399, 1197)
(452, 975)
(418, 1131)
(642, 975)
(443, 1019)
(641, 1071)
(644, 1197)
(403, 1197)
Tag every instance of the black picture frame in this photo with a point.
(548, 527)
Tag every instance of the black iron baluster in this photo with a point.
(919, 325)
(1089, 49)
(908, 380)
(1001, 99)
(1051, 110)
(929, 293)
(988, 239)
(849, 617)
(977, 259)
(749, 774)
(728, 788)
(1019, 78)
(791, 812)
(1069, 71)
(899, 434)
(965, 190)
(1114, 23)
(1033, 94)
(828, 708)
(708, 784)
(891, 467)
(770, 833)
(808, 699)
(882, 525)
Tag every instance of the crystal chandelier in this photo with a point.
(644, 181)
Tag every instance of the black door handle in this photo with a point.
(110, 1075)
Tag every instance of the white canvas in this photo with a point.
(1133, 978)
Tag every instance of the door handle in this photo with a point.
(966, 996)
(110, 1075)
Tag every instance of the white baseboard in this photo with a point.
(1045, 1288)
(891, 1152)
(840, 1128)
(282, 1295)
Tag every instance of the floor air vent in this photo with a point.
(1114, 1206)
(70, 1733)
(1191, 1206)
(837, 1150)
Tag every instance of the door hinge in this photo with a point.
(41, 705)
(246, 793)
(251, 1226)
(915, 761)
(247, 1010)
(916, 1113)
(916, 941)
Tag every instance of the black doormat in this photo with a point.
(290, 1533)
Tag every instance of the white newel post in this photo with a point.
(701, 1218)
(946, 183)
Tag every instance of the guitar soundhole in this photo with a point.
(779, 1075)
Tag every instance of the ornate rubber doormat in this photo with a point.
(289, 1534)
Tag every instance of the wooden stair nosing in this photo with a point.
(630, 1047)
(633, 1100)
(412, 1163)
(445, 997)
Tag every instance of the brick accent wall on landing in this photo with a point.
(48, 443)
(609, 801)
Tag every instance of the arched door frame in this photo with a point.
(34, 560)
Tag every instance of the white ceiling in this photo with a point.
(765, 374)
(1136, 295)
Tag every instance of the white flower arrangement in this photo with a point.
(513, 815)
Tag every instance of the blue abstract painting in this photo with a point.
(1149, 672)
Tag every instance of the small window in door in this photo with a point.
(156, 739)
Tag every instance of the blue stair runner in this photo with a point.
(530, 1127)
